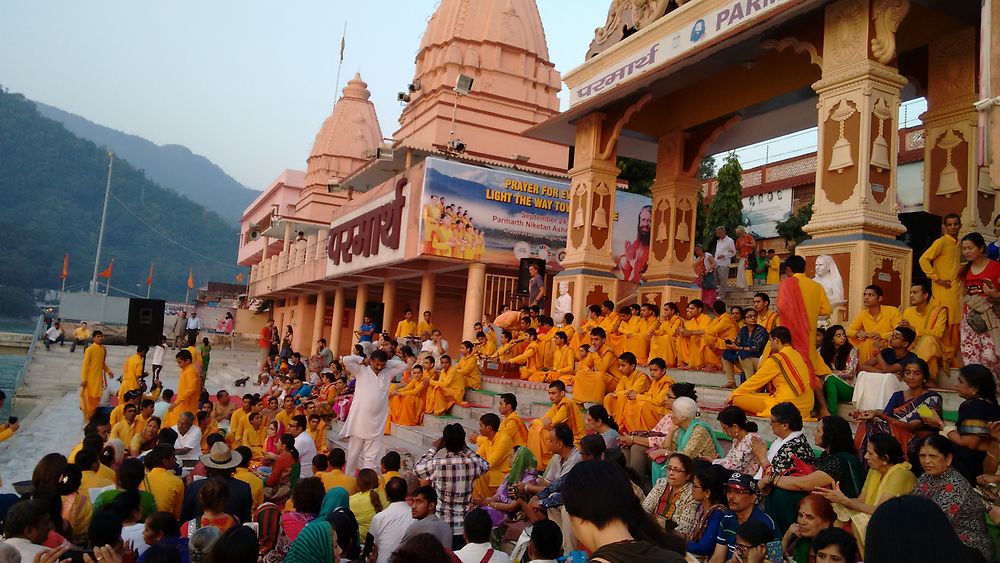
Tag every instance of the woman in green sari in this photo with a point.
(689, 436)
(838, 463)
(316, 542)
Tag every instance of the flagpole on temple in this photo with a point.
(343, 43)
(149, 281)
(104, 218)
(64, 275)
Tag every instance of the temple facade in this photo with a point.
(670, 84)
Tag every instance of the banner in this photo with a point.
(498, 216)
(763, 211)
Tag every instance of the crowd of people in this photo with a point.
(622, 467)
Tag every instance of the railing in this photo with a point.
(299, 254)
(27, 362)
(500, 291)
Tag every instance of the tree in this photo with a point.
(706, 171)
(726, 209)
(792, 229)
(638, 173)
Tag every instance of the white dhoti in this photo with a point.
(363, 454)
(872, 390)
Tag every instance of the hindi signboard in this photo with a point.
(677, 35)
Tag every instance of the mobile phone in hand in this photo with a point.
(774, 552)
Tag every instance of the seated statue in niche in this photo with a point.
(563, 304)
(828, 276)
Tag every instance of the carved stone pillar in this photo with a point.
(336, 327)
(951, 135)
(855, 213)
(318, 315)
(588, 263)
(669, 273)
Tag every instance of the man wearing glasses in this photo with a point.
(741, 496)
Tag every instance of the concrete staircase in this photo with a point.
(533, 402)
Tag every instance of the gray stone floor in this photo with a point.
(48, 402)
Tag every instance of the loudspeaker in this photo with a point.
(922, 229)
(524, 276)
(145, 321)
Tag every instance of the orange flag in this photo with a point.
(149, 278)
(107, 272)
(190, 280)
(65, 272)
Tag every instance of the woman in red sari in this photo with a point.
(980, 328)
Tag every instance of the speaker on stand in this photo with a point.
(145, 323)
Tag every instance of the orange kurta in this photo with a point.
(564, 364)
(564, 411)
(636, 333)
(186, 398)
(530, 361)
(514, 428)
(92, 378)
(468, 370)
(722, 328)
(445, 392)
(883, 324)
(407, 408)
(131, 372)
(597, 373)
(646, 410)
(499, 452)
(693, 350)
(663, 344)
(615, 402)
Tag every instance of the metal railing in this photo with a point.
(24, 369)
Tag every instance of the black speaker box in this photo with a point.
(145, 322)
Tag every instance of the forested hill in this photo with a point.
(171, 166)
(53, 187)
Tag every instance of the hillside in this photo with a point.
(171, 166)
(53, 183)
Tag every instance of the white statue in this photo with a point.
(828, 276)
(563, 304)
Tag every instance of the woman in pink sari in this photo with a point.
(274, 431)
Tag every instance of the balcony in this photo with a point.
(304, 262)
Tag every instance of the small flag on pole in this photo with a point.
(107, 272)
(65, 271)
(190, 279)
(343, 43)
(149, 278)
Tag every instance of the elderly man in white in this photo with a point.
(725, 250)
(365, 426)
(188, 444)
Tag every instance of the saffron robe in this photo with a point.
(615, 402)
(131, 372)
(444, 392)
(499, 452)
(468, 370)
(930, 328)
(514, 428)
(941, 262)
(663, 344)
(538, 442)
(407, 408)
(883, 324)
(598, 372)
(646, 410)
(92, 376)
(787, 373)
(186, 398)
(693, 350)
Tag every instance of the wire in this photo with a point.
(167, 237)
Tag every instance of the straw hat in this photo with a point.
(221, 457)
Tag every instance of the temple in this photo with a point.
(361, 233)
(712, 75)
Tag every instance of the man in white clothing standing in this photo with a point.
(304, 444)
(389, 526)
(725, 250)
(365, 426)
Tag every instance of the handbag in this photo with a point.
(708, 281)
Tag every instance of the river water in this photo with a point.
(12, 359)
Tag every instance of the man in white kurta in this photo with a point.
(365, 427)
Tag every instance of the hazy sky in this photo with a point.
(246, 83)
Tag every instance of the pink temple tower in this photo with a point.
(345, 142)
(501, 45)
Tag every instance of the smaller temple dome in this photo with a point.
(348, 137)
